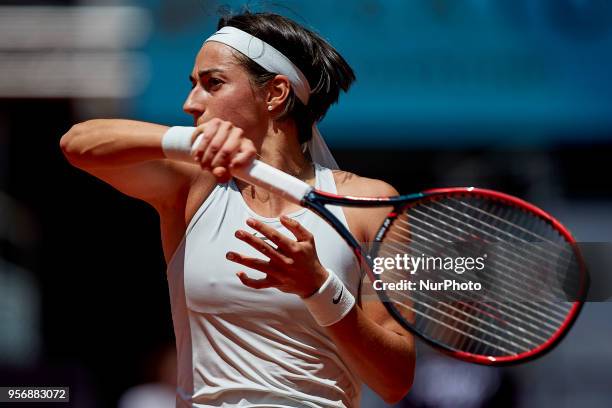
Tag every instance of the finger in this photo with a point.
(196, 139)
(204, 133)
(263, 247)
(231, 146)
(282, 241)
(301, 233)
(254, 283)
(249, 262)
(222, 174)
(246, 154)
(215, 144)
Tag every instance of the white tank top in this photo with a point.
(242, 347)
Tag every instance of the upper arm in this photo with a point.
(157, 182)
(127, 155)
(364, 222)
(367, 222)
(376, 216)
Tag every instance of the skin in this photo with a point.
(237, 123)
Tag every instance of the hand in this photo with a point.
(293, 266)
(223, 146)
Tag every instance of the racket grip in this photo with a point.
(274, 180)
(196, 143)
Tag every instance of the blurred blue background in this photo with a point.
(514, 95)
(429, 72)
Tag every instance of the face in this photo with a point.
(221, 89)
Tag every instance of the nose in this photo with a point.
(194, 105)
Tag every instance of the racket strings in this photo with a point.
(494, 335)
(516, 254)
(513, 239)
(531, 313)
(478, 339)
(508, 288)
(523, 281)
(510, 325)
(474, 318)
(472, 325)
(507, 323)
(509, 295)
(504, 314)
(527, 228)
(518, 258)
(567, 263)
(573, 283)
(543, 254)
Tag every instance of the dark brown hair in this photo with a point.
(324, 68)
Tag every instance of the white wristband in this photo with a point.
(176, 143)
(331, 302)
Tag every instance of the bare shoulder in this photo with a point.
(363, 222)
(351, 184)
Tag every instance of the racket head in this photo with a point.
(520, 317)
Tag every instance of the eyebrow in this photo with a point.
(204, 72)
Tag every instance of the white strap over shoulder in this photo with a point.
(319, 152)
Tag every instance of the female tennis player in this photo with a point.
(265, 295)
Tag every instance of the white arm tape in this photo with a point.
(176, 143)
(331, 302)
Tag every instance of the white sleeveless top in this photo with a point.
(242, 347)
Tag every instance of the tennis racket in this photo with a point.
(483, 276)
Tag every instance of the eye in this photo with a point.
(213, 83)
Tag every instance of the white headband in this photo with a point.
(272, 60)
(264, 55)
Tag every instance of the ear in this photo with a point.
(278, 92)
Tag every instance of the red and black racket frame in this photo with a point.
(317, 200)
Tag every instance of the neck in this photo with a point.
(280, 148)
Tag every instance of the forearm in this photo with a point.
(112, 142)
(383, 359)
